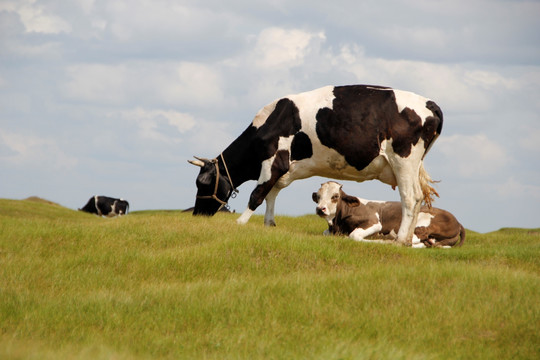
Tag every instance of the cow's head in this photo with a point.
(213, 187)
(326, 199)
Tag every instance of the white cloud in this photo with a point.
(97, 83)
(472, 155)
(441, 82)
(193, 84)
(488, 80)
(277, 47)
(37, 19)
(34, 150)
(513, 189)
(159, 125)
(530, 139)
(166, 83)
(421, 37)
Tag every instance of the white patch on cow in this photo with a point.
(360, 234)
(424, 219)
(262, 115)
(266, 170)
(266, 166)
(112, 213)
(406, 99)
(99, 213)
(309, 103)
(285, 142)
(365, 201)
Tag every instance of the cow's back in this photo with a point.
(345, 129)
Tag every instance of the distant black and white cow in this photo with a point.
(359, 219)
(355, 132)
(106, 206)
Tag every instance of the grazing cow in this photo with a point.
(360, 218)
(355, 132)
(106, 206)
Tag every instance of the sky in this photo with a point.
(112, 97)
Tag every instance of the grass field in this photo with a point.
(166, 285)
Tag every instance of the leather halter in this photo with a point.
(214, 195)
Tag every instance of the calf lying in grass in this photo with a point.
(360, 219)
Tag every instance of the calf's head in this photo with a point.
(327, 198)
(213, 187)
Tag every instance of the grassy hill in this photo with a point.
(167, 285)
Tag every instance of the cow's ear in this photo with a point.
(352, 201)
(315, 197)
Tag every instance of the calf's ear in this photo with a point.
(352, 201)
(314, 197)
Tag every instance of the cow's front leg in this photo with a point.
(244, 218)
(272, 170)
(270, 204)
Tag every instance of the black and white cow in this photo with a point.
(106, 206)
(361, 219)
(355, 132)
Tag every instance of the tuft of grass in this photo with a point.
(167, 285)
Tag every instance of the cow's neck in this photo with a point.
(240, 160)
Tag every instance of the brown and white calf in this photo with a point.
(359, 219)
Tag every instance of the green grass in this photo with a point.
(167, 285)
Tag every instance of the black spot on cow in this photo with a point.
(353, 126)
(301, 147)
(284, 121)
(279, 167)
(363, 116)
(433, 124)
(405, 131)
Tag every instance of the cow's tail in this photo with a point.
(425, 183)
(461, 236)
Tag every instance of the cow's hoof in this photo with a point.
(270, 223)
(403, 243)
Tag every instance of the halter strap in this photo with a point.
(234, 190)
(214, 195)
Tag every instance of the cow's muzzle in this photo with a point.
(321, 211)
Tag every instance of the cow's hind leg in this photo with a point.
(411, 201)
(410, 191)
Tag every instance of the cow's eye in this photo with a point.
(335, 198)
